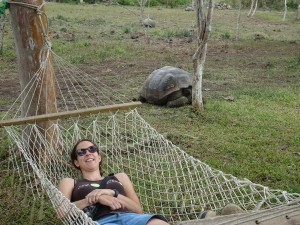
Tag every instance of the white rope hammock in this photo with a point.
(167, 179)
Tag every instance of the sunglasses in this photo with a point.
(91, 149)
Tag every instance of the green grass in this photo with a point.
(256, 136)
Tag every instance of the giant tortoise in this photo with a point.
(169, 86)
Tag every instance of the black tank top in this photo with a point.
(83, 186)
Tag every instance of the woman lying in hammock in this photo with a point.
(112, 199)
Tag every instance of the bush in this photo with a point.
(154, 3)
(126, 2)
(225, 35)
(293, 4)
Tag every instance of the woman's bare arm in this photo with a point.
(131, 200)
(66, 187)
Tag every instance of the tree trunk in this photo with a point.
(197, 82)
(298, 13)
(264, 4)
(30, 30)
(253, 8)
(238, 21)
(285, 9)
(2, 26)
(142, 4)
(203, 26)
(193, 4)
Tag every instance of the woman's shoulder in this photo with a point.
(67, 180)
(122, 177)
(66, 186)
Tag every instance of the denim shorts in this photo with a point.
(128, 218)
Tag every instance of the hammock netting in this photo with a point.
(167, 180)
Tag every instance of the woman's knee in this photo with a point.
(156, 221)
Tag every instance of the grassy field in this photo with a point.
(255, 136)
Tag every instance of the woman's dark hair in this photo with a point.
(74, 153)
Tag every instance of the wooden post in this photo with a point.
(28, 29)
(30, 34)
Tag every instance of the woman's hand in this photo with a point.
(112, 202)
(93, 196)
(104, 197)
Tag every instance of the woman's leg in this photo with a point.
(156, 221)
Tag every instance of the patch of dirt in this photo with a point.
(10, 86)
(173, 51)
